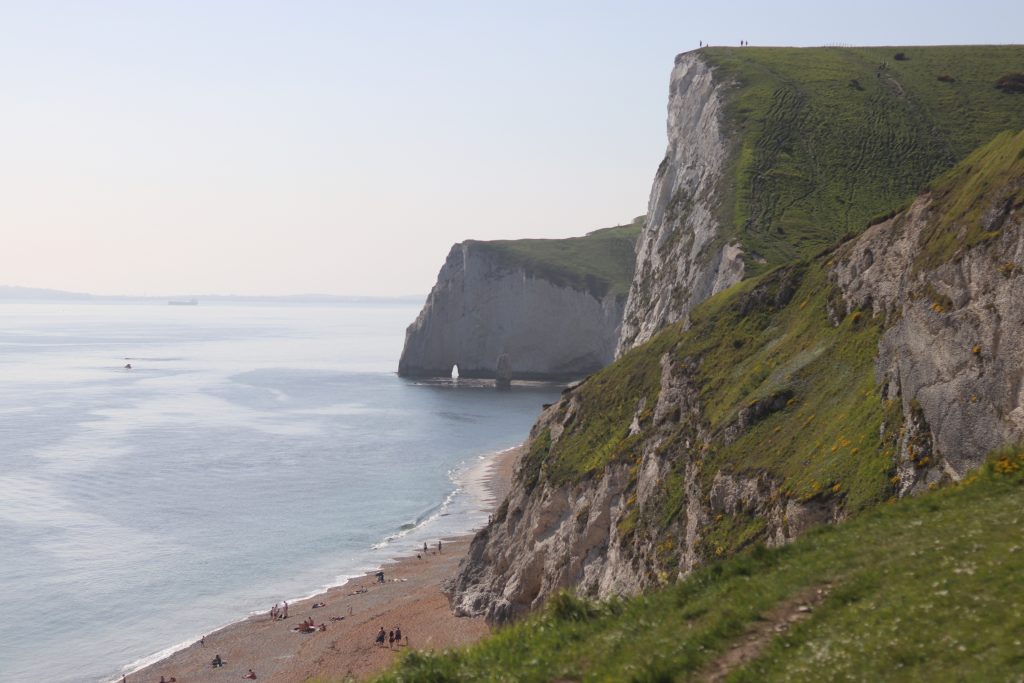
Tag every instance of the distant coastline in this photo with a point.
(14, 294)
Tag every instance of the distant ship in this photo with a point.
(183, 302)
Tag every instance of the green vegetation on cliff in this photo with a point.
(766, 338)
(924, 589)
(828, 139)
(991, 178)
(599, 262)
(779, 381)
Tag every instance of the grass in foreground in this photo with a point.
(924, 589)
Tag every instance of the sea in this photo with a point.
(252, 453)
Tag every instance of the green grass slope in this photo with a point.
(924, 589)
(826, 140)
(831, 437)
(991, 178)
(599, 262)
(766, 337)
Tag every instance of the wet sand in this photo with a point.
(411, 597)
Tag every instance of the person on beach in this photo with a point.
(202, 641)
(381, 636)
(251, 675)
(424, 547)
(391, 639)
(439, 546)
(217, 661)
(285, 610)
(398, 635)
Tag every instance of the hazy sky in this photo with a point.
(289, 147)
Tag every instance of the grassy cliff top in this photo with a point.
(600, 262)
(924, 589)
(828, 139)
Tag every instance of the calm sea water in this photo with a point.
(252, 454)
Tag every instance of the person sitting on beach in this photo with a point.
(250, 675)
(217, 661)
(319, 604)
(322, 627)
(381, 637)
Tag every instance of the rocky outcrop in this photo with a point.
(940, 288)
(952, 353)
(584, 535)
(683, 256)
(489, 303)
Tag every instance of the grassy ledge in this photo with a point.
(600, 262)
(988, 181)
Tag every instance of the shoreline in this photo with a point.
(411, 597)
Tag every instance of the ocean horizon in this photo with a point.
(251, 454)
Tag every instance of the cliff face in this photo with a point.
(888, 366)
(624, 531)
(551, 308)
(682, 255)
(777, 154)
(952, 354)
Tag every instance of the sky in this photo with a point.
(269, 148)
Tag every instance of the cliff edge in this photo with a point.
(775, 154)
(886, 367)
(820, 320)
(551, 309)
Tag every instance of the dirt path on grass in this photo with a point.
(753, 643)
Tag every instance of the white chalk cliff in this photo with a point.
(682, 256)
(488, 304)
